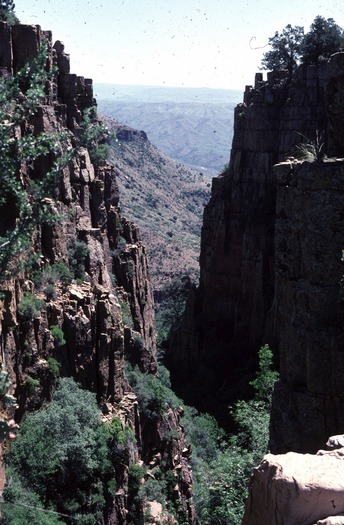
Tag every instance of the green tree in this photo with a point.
(285, 50)
(7, 12)
(61, 454)
(324, 38)
(22, 506)
(221, 484)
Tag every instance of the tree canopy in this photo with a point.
(324, 38)
(292, 46)
(61, 457)
(285, 49)
(7, 12)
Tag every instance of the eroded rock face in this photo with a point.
(106, 313)
(295, 488)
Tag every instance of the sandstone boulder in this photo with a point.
(296, 489)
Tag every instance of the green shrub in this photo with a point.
(32, 385)
(95, 136)
(119, 434)
(77, 255)
(54, 367)
(65, 276)
(22, 506)
(53, 274)
(311, 150)
(222, 474)
(58, 336)
(126, 314)
(61, 453)
(135, 475)
(50, 292)
(152, 395)
(30, 306)
(153, 490)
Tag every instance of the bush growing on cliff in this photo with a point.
(7, 12)
(324, 38)
(77, 255)
(152, 394)
(285, 50)
(58, 335)
(22, 506)
(292, 46)
(62, 456)
(95, 136)
(30, 306)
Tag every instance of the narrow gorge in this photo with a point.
(76, 302)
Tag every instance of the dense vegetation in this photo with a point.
(292, 46)
(7, 13)
(222, 464)
(60, 462)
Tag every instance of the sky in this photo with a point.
(180, 43)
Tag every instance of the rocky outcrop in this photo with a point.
(85, 326)
(231, 316)
(250, 249)
(297, 488)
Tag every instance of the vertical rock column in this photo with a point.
(308, 403)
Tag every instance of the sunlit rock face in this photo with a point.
(104, 316)
(297, 488)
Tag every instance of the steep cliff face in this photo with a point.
(90, 324)
(309, 233)
(248, 242)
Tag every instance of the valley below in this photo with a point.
(193, 126)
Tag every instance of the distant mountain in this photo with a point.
(192, 125)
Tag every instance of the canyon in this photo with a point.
(271, 270)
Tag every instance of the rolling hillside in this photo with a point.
(165, 199)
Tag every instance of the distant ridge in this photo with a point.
(158, 93)
(191, 125)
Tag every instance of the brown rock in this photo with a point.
(295, 488)
(90, 313)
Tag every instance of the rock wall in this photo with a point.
(106, 316)
(241, 302)
(308, 312)
(297, 488)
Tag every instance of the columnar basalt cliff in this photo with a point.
(308, 307)
(107, 315)
(271, 262)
